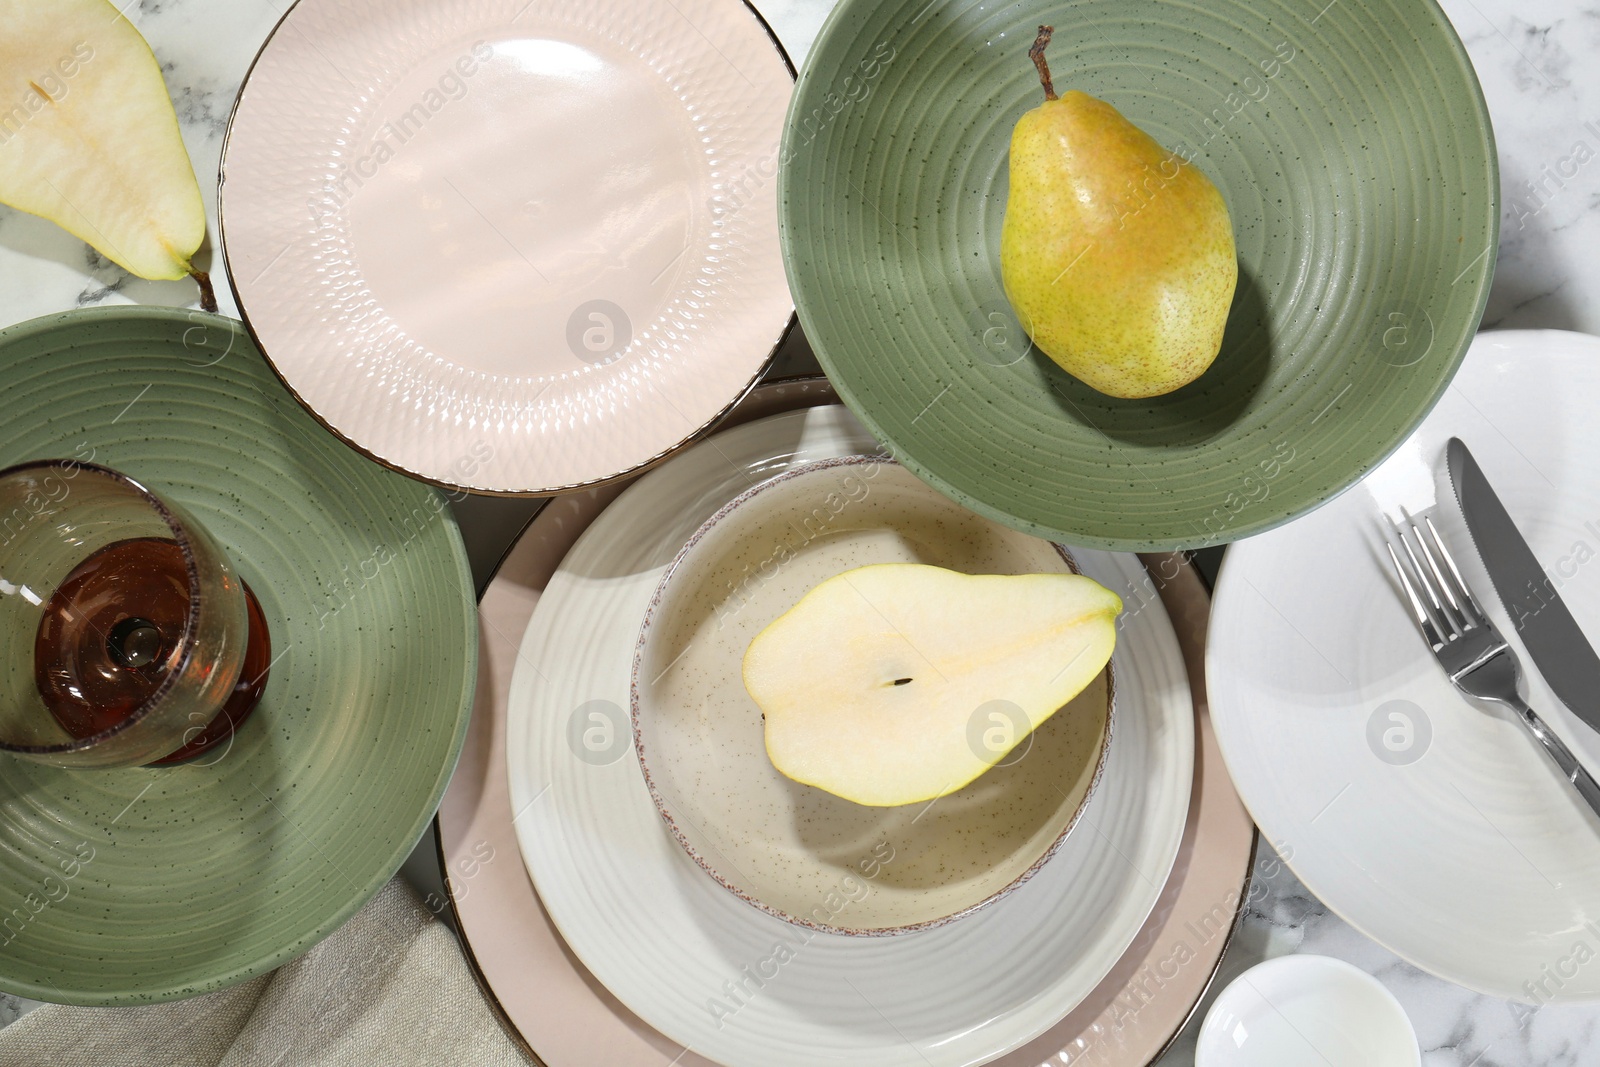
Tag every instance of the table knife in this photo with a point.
(1548, 631)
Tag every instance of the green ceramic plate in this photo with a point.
(134, 885)
(1351, 142)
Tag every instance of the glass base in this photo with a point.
(246, 694)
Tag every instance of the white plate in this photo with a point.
(511, 246)
(737, 985)
(1306, 1011)
(1435, 827)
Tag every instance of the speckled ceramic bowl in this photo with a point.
(1352, 145)
(142, 884)
(795, 851)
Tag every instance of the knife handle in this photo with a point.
(1562, 757)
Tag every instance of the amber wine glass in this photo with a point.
(126, 637)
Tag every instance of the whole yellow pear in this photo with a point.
(1116, 255)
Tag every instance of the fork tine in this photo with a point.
(1444, 586)
(1445, 621)
(1416, 567)
(1424, 621)
(1455, 573)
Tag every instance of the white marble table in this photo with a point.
(1535, 59)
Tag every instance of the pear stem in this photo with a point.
(1036, 53)
(208, 295)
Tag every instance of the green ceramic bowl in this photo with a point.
(1352, 144)
(124, 886)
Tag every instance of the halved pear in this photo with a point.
(880, 685)
(89, 139)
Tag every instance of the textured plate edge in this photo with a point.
(644, 465)
(1205, 591)
(801, 380)
(497, 1008)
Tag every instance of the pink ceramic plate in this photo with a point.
(513, 246)
(563, 1013)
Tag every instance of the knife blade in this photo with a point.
(1548, 631)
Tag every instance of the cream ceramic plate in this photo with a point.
(511, 246)
(570, 1020)
(674, 946)
(701, 742)
(1435, 827)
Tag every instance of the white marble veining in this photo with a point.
(1536, 60)
(1455, 1027)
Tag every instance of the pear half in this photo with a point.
(89, 139)
(874, 685)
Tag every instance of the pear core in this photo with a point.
(897, 683)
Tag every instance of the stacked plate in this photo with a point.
(552, 772)
(675, 946)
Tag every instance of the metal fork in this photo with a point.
(1469, 648)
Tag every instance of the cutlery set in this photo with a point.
(1477, 659)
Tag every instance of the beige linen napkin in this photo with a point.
(390, 987)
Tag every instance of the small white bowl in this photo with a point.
(795, 851)
(1306, 1011)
